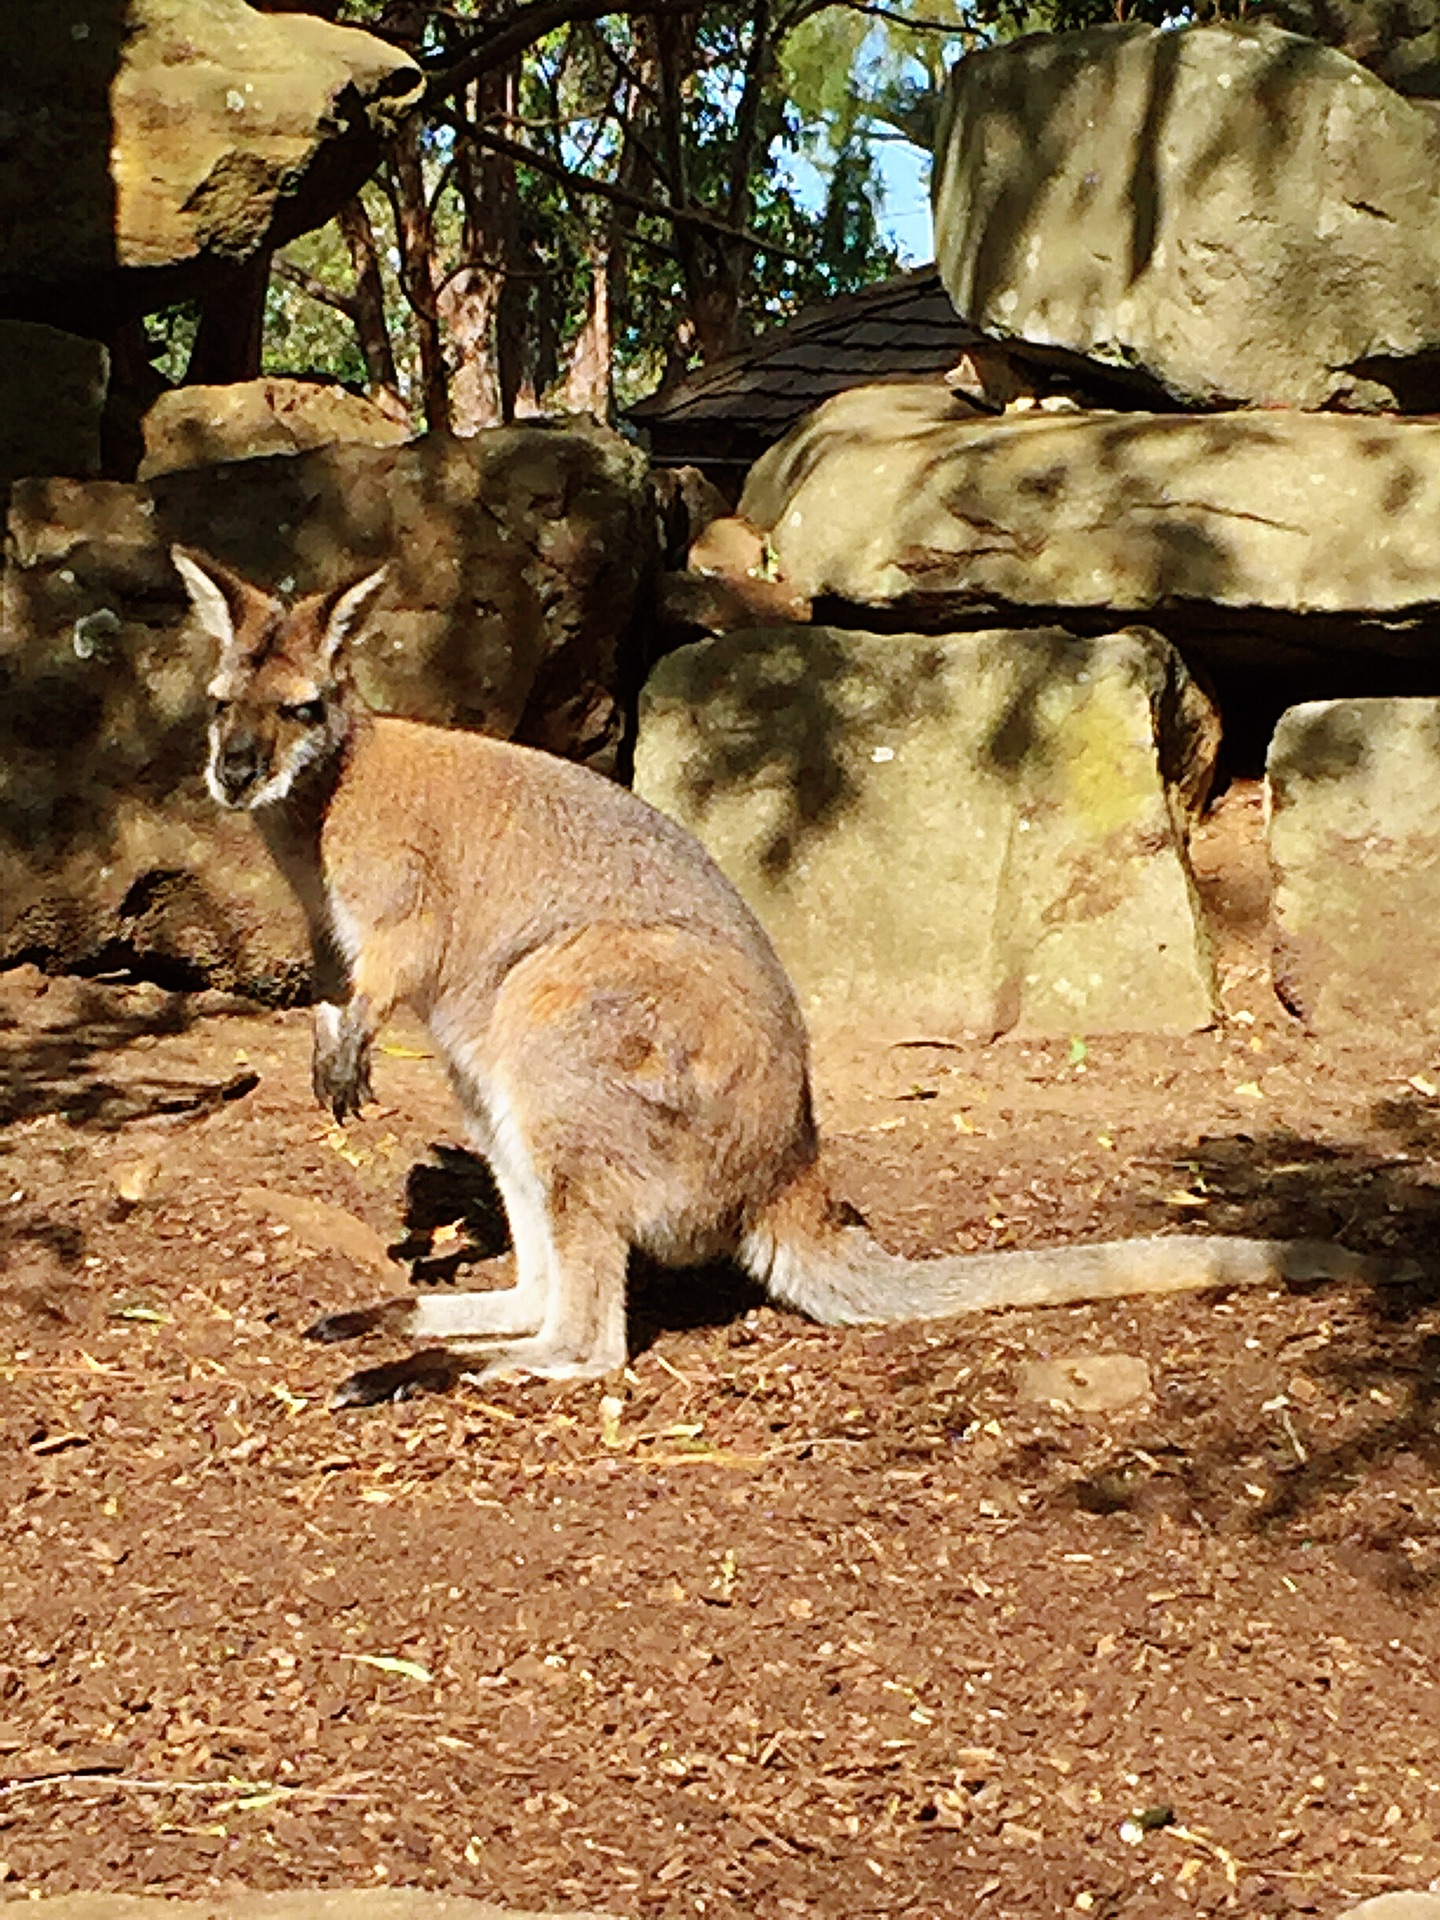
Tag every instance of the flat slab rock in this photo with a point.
(1396, 1906)
(1354, 789)
(1086, 1383)
(196, 426)
(155, 134)
(974, 830)
(399, 1903)
(895, 497)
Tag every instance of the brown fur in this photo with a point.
(626, 1046)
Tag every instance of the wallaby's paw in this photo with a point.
(340, 1072)
(385, 1316)
(343, 1095)
(432, 1370)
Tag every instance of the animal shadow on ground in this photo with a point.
(84, 1063)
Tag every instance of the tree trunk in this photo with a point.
(712, 269)
(231, 334)
(415, 231)
(482, 391)
(382, 381)
(588, 387)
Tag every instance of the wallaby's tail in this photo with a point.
(802, 1252)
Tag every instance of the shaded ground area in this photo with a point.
(784, 1622)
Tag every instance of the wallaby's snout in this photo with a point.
(237, 764)
(261, 744)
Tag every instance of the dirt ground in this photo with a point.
(786, 1621)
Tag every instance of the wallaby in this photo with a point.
(626, 1046)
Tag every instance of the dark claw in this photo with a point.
(432, 1370)
(381, 1316)
(355, 1325)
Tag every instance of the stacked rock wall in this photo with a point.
(1239, 224)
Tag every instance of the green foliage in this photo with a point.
(818, 67)
(302, 335)
(171, 334)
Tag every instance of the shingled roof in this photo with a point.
(724, 416)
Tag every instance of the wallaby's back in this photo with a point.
(495, 849)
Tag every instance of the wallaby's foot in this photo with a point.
(493, 1313)
(431, 1370)
(437, 1369)
(383, 1316)
(340, 1065)
(545, 1359)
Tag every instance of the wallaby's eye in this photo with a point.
(218, 707)
(309, 713)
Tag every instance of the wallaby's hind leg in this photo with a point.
(462, 1320)
(582, 1335)
(497, 1312)
(631, 1086)
(564, 1318)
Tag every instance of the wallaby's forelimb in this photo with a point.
(368, 968)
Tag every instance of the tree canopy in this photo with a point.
(599, 194)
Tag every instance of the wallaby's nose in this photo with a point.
(238, 768)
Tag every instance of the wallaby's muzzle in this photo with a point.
(237, 770)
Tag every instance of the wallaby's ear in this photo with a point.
(214, 607)
(346, 611)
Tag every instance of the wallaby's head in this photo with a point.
(281, 697)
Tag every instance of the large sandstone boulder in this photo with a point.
(519, 564)
(1398, 39)
(973, 832)
(1235, 215)
(1259, 537)
(148, 140)
(52, 397)
(1354, 789)
(201, 426)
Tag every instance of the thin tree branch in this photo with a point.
(581, 183)
(640, 144)
(529, 24)
(873, 12)
(747, 118)
(642, 87)
(532, 22)
(316, 289)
